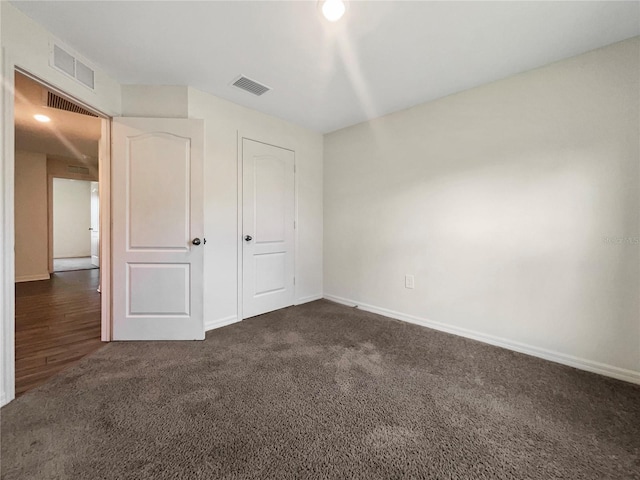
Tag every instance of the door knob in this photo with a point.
(248, 238)
(196, 241)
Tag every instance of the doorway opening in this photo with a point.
(60, 149)
(76, 230)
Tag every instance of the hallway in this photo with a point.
(57, 323)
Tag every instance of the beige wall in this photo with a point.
(71, 218)
(33, 227)
(59, 167)
(31, 261)
(515, 205)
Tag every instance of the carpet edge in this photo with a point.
(604, 369)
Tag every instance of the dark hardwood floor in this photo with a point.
(57, 323)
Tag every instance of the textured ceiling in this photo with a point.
(381, 57)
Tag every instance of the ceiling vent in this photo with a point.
(67, 63)
(250, 86)
(55, 101)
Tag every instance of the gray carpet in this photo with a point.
(74, 263)
(322, 391)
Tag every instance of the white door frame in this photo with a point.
(8, 215)
(240, 242)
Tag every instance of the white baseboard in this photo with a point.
(223, 322)
(33, 278)
(310, 298)
(576, 362)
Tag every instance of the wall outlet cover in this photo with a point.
(409, 281)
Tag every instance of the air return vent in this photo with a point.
(77, 169)
(64, 61)
(55, 101)
(84, 74)
(250, 86)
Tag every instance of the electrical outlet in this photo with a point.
(409, 281)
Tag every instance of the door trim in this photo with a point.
(7, 209)
(104, 184)
(8, 239)
(240, 203)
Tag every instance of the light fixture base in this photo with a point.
(332, 10)
(41, 118)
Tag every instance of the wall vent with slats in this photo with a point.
(250, 86)
(55, 101)
(77, 169)
(64, 61)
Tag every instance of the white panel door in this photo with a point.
(268, 228)
(158, 243)
(95, 224)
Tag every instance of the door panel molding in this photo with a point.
(156, 181)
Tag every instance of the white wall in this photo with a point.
(31, 236)
(225, 122)
(71, 218)
(163, 101)
(515, 205)
(27, 44)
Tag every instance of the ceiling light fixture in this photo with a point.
(333, 10)
(42, 118)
